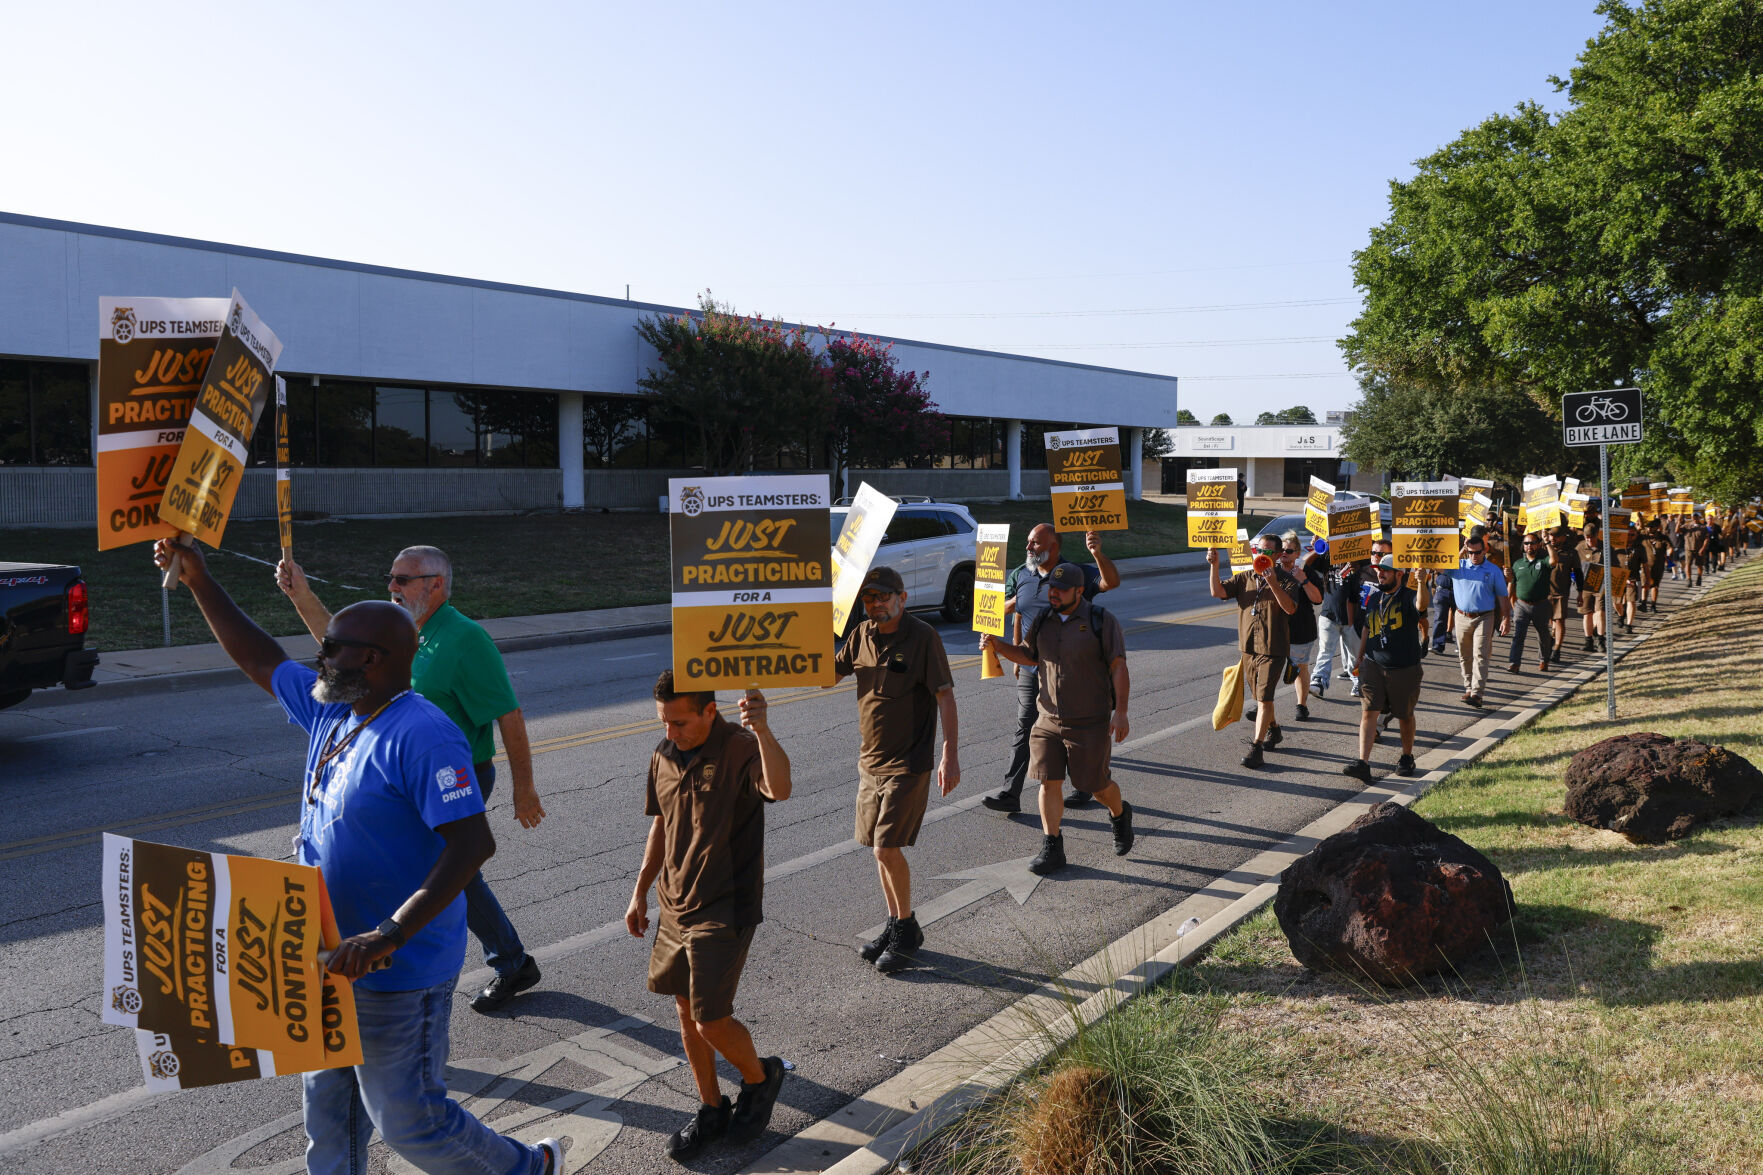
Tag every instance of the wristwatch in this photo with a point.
(390, 929)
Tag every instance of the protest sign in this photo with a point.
(1617, 527)
(211, 461)
(214, 959)
(1467, 489)
(284, 488)
(1316, 507)
(1350, 532)
(1636, 496)
(1212, 507)
(1574, 506)
(990, 558)
(1542, 507)
(1423, 524)
(1242, 557)
(1679, 501)
(1591, 579)
(866, 523)
(1083, 469)
(152, 356)
(752, 581)
(1656, 498)
(1618, 580)
(1477, 512)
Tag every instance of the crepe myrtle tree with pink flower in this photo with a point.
(881, 416)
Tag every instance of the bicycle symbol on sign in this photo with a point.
(1601, 407)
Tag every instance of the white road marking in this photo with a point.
(631, 657)
(55, 734)
(983, 882)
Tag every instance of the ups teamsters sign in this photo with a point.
(1083, 470)
(752, 581)
(152, 356)
(1212, 508)
(1423, 524)
(990, 558)
(214, 960)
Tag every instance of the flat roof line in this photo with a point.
(123, 234)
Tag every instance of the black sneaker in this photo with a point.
(710, 1125)
(1254, 758)
(903, 948)
(1051, 858)
(1077, 799)
(1405, 765)
(505, 987)
(1004, 801)
(1274, 737)
(1249, 713)
(1122, 830)
(1303, 712)
(753, 1105)
(1589, 647)
(1359, 769)
(872, 950)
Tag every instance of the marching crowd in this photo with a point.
(401, 708)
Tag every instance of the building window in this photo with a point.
(452, 430)
(1175, 471)
(1298, 473)
(45, 413)
(400, 426)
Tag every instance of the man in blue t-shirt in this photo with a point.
(391, 815)
(1025, 596)
(1479, 589)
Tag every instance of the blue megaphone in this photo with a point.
(1321, 547)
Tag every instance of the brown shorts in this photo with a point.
(1557, 607)
(1082, 752)
(1262, 677)
(1389, 691)
(702, 962)
(890, 809)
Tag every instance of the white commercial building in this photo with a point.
(1277, 460)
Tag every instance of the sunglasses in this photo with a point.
(328, 647)
(403, 580)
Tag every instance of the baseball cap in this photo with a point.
(1067, 575)
(882, 579)
(1387, 561)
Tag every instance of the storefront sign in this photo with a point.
(1310, 442)
(752, 581)
(859, 538)
(1212, 507)
(1423, 524)
(1083, 469)
(1205, 442)
(152, 356)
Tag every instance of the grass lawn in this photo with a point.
(1639, 968)
(504, 565)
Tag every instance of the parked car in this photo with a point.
(931, 545)
(44, 614)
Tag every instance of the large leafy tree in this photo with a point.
(1618, 242)
(1183, 416)
(744, 386)
(879, 415)
(1420, 431)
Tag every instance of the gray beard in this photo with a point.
(336, 688)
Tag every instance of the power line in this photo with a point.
(1044, 277)
(1129, 311)
(1151, 346)
(1270, 375)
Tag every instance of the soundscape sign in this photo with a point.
(213, 959)
(1423, 524)
(1212, 507)
(152, 356)
(990, 558)
(1083, 470)
(752, 581)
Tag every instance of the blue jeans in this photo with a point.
(1441, 610)
(1028, 687)
(399, 1090)
(503, 950)
(1330, 633)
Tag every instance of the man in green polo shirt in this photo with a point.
(459, 669)
(1529, 577)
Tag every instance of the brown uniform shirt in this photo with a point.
(1592, 554)
(713, 828)
(1076, 665)
(1262, 625)
(899, 675)
(1563, 569)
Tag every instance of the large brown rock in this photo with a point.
(1652, 789)
(1390, 898)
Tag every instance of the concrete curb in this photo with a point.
(869, 1135)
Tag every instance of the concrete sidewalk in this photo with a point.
(198, 666)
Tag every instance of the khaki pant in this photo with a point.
(1475, 645)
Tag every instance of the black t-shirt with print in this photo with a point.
(1392, 628)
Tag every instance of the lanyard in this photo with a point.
(334, 748)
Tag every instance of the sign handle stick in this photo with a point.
(1609, 597)
(165, 614)
(173, 568)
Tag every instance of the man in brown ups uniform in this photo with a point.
(709, 782)
(1080, 653)
(903, 684)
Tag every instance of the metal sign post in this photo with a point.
(1603, 418)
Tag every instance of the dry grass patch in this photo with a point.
(1635, 973)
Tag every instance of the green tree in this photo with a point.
(743, 385)
(1158, 442)
(1183, 416)
(1267, 418)
(1617, 243)
(1222, 420)
(608, 422)
(1472, 432)
(880, 416)
(1298, 415)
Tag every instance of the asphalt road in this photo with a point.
(219, 768)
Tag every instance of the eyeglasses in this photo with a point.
(1291, 550)
(868, 596)
(403, 580)
(328, 646)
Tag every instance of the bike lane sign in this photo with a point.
(1610, 417)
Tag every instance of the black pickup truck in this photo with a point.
(44, 613)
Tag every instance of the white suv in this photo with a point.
(931, 545)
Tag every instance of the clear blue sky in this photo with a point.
(1059, 180)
